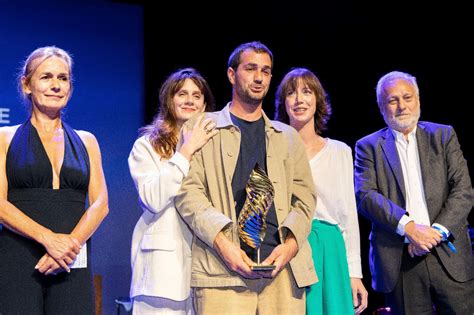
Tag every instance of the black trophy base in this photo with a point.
(263, 267)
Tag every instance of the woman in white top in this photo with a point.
(302, 102)
(161, 242)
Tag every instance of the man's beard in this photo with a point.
(402, 125)
(248, 98)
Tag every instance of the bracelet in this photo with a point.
(445, 238)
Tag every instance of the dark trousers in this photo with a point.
(32, 293)
(425, 287)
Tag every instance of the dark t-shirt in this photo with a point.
(253, 151)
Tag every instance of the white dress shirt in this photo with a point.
(415, 195)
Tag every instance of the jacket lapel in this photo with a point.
(391, 154)
(424, 151)
(230, 147)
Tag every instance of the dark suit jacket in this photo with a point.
(380, 193)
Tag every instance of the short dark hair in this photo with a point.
(234, 59)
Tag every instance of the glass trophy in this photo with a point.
(251, 221)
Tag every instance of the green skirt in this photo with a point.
(332, 294)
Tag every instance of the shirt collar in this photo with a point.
(400, 137)
(224, 119)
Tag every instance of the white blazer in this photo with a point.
(161, 242)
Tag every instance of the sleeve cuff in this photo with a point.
(212, 224)
(181, 162)
(355, 267)
(401, 224)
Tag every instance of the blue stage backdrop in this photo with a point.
(106, 41)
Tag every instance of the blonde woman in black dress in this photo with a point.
(48, 170)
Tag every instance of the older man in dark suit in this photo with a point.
(413, 183)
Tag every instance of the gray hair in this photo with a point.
(393, 76)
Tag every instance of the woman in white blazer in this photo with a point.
(161, 242)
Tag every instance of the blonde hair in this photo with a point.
(34, 60)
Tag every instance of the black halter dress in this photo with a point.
(30, 177)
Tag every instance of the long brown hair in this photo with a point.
(163, 132)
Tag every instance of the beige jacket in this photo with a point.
(206, 203)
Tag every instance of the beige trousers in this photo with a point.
(263, 296)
